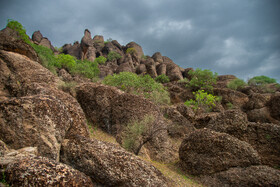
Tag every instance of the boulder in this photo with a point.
(249, 176)
(141, 69)
(151, 70)
(98, 42)
(205, 152)
(110, 47)
(257, 101)
(108, 164)
(40, 121)
(233, 122)
(274, 106)
(261, 115)
(178, 92)
(40, 171)
(87, 49)
(138, 48)
(65, 75)
(9, 43)
(125, 67)
(161, 69)
(265, 139)
(172, 70)
(46, 43)
(234, 97)
(37, 37)
(74, 50)
(157, 57)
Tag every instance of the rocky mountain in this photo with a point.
(45, 137)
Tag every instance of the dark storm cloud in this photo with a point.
(240, 37)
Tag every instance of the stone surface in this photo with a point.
(265, 139)
(40, 171)
(12, 44)
(274, 106)
(236, 98)
(37, 37)
(233, 122)
(249, 176)
(137, 47)
(206, 152)
(109, 165)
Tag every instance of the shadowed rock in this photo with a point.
(206, 152)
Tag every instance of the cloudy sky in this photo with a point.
(240, 37)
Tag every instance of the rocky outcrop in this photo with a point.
(39, 171)
(250, 176)
(274, 106)
(236, 98)
(206, 152)
(38, 39)
(74, 50)
(172, 70)
(137, 47)
(112, 110)
(87, 49)
(223, 80)
(12, 44)
(265, 139)
(233, 122)
(109, 165)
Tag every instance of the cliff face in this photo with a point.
(44, 128)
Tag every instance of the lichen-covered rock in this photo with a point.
(40, 121)
(108, 164)
(205, 152)
(265, 139)
(233, 122)
(249, 176)
(16, 45)
(138, 49)
(234, 97)
(40, 171)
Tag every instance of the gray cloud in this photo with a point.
(240, 37)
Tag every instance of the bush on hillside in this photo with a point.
(113, 56)
(87, 69)
(202, 79)
(15, 25)
(139, 85)
(236, 84)
(203, 100)
(261, 80)
(162, 78)
(66, 61)
(100, 60)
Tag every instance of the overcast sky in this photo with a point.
(240, 37)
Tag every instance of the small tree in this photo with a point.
(15, 25)
(162, 78)
(202, 79)
(203, 100)
(236, 84)
(113, 56)
(100, 60)
(66, 61)
(139, 132)
(131, 51)
(261, 80)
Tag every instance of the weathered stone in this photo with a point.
(46, 43)
(74, 50)
(249, 176)
(223, 80)
(151, 70)
(157, 57)
(108, 164)
(65, 75)
(141, 69)
(186, 73)
(138, 49)
(206, 152)
(265, 139)
(40, 171)
(37, 37)
(9, 43)
(125, 67)
(274, 106)
(236, 98)
(161, 69)
(87, 49)
(233, 122)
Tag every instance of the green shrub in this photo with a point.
(202, 79)
(139, 132)
(15, 25)
(100, 60)
(131, 51)
(87, 68)
(261, 80)
(203, 100)
(162, 78)
(236, 84)
(66, 61)
(113, 56)
(139, 85)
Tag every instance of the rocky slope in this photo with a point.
(45, 139)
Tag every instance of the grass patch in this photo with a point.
(97, 133)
